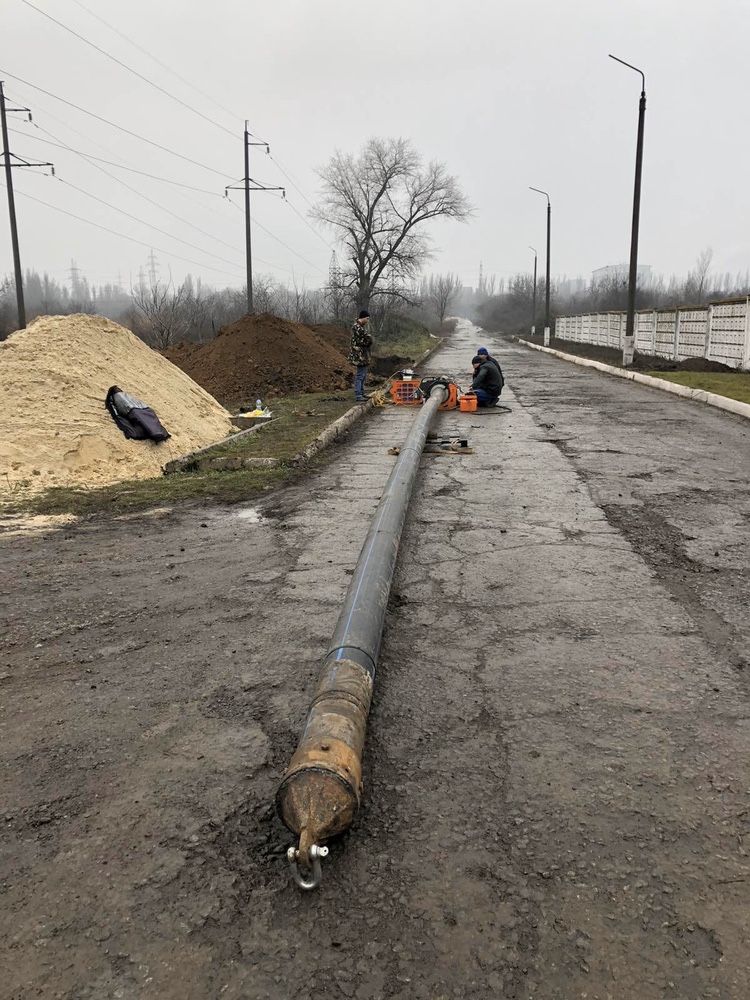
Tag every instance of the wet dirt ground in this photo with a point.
(556, 800)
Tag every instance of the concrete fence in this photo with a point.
(719, 331)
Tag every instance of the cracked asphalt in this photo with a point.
(556, 773)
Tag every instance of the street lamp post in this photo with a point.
(546, 290)
(533, 297)
(628, 349)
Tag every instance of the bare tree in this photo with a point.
(697, 280)
(441, 290)
(378, 203)
(161, 306)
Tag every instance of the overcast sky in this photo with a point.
(507, 94)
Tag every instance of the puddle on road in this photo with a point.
(251, 515)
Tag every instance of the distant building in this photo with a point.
(571, 286)
(613, 273)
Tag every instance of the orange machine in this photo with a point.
(409, 391)
(405, 391)
(453, 396)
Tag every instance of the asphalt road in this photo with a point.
(556, 800)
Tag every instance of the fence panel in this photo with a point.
(720, 332)
(645, 327)
(691, 342)
(729, 333)
(665, 326)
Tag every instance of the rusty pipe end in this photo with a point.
(319, 794)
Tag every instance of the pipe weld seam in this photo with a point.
(338, 694)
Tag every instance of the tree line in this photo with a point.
(163, 312)
(510, 309)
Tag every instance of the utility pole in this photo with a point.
(12, 201)
(533, 297)
(547, 289)
(21, 162)
(12, 213)
(628, 349)
(247, 180)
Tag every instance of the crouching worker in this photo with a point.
(488, 380)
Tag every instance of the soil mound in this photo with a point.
(263, 356)
(54, 428)
(337, 336)
(647, 362)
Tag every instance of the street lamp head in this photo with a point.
(635, 68)
(539, 191)
(533, 250)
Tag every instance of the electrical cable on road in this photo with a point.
(125, 66)
(131, 239)
(120, 128)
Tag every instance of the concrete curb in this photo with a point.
(699, 395)
(332, 432)
(327, 436)
(187, 461)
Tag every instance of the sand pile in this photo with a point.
(263, 356)
(54, 428)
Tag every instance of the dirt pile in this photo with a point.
(648, 362)
(338, 337)
(54, 428)
(263, 356)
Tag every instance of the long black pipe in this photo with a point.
(320, 792)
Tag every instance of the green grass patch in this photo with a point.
(735, 385)
(406, 338)
(300, 420)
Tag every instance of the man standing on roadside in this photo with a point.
(359, 355)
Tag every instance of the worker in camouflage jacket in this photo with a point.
(359, 354)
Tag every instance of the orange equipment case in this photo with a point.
(404, 392)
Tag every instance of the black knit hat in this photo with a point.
(363, 314)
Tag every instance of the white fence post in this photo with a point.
(746, 351)
(709, 330)
(677, 334)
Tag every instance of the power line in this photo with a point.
(145, 197)
(277, 238)
(90, 157)
(143, 222)
(131, 239)
(182, 79)
(309, 225)
(125, 66)
(113, 163)
(293, 183)
(120, 128)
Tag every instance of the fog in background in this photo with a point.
(507, 94)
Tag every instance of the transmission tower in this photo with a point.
(74, 273)
(153, 269)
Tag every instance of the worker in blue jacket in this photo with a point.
(488, 378)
